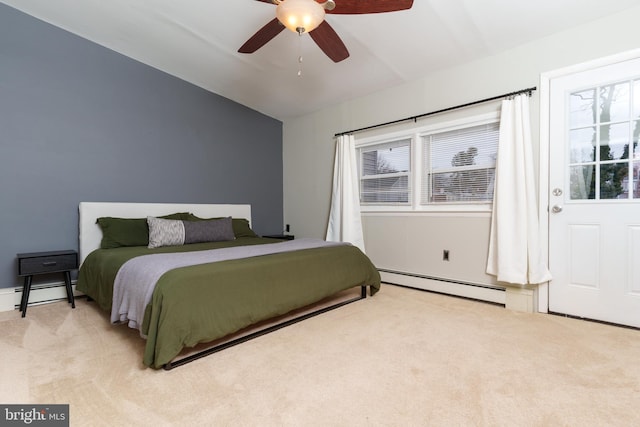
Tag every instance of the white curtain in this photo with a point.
(345, 224)
(515, 253)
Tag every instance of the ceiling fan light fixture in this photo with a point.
(300, 15)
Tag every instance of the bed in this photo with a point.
(205, 289)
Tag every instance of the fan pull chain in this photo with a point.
(300, 59)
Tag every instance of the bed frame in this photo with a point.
(90, 236)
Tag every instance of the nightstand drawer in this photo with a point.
(46, 262)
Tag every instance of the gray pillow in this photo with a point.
(165, 232)
(216, 230)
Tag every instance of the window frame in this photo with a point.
(417, 167)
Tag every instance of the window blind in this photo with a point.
(459, 165)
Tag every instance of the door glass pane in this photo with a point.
(614, 142)
(582, 108)
(582, 182)
(636, 138)
(581, 143)
(614, 102)
(612, 176)
(602, 117)
(635, 184)
(636, 99)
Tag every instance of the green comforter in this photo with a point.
(202, 303)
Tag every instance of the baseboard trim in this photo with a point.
(42, 293)
(446, 286)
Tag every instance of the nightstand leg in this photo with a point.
(26, 288)
(67, 282)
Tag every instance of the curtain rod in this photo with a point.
(415, 118)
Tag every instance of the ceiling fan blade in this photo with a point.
(354, 7)
(329, 41)
(264, 34)
(266, 1)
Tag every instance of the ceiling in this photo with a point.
(197, 40)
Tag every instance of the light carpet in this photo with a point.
(401, 358)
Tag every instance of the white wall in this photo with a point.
(308, 140)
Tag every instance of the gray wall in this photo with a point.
(79, 122)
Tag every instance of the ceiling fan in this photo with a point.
(307, 16)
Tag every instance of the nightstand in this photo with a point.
(31, 264)
(280, 236)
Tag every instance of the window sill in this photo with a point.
(450, 210)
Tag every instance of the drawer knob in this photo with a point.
(49, 263)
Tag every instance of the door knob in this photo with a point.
(556, 209)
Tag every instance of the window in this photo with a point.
(384, 173)
(459, 165)
(455, 165)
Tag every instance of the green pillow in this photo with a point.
(240, 226)
(117, 232)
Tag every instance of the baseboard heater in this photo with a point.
(477, 291)
(43, 293)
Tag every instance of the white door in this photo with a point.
(594, 205)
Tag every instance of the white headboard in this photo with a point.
(90, 233)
